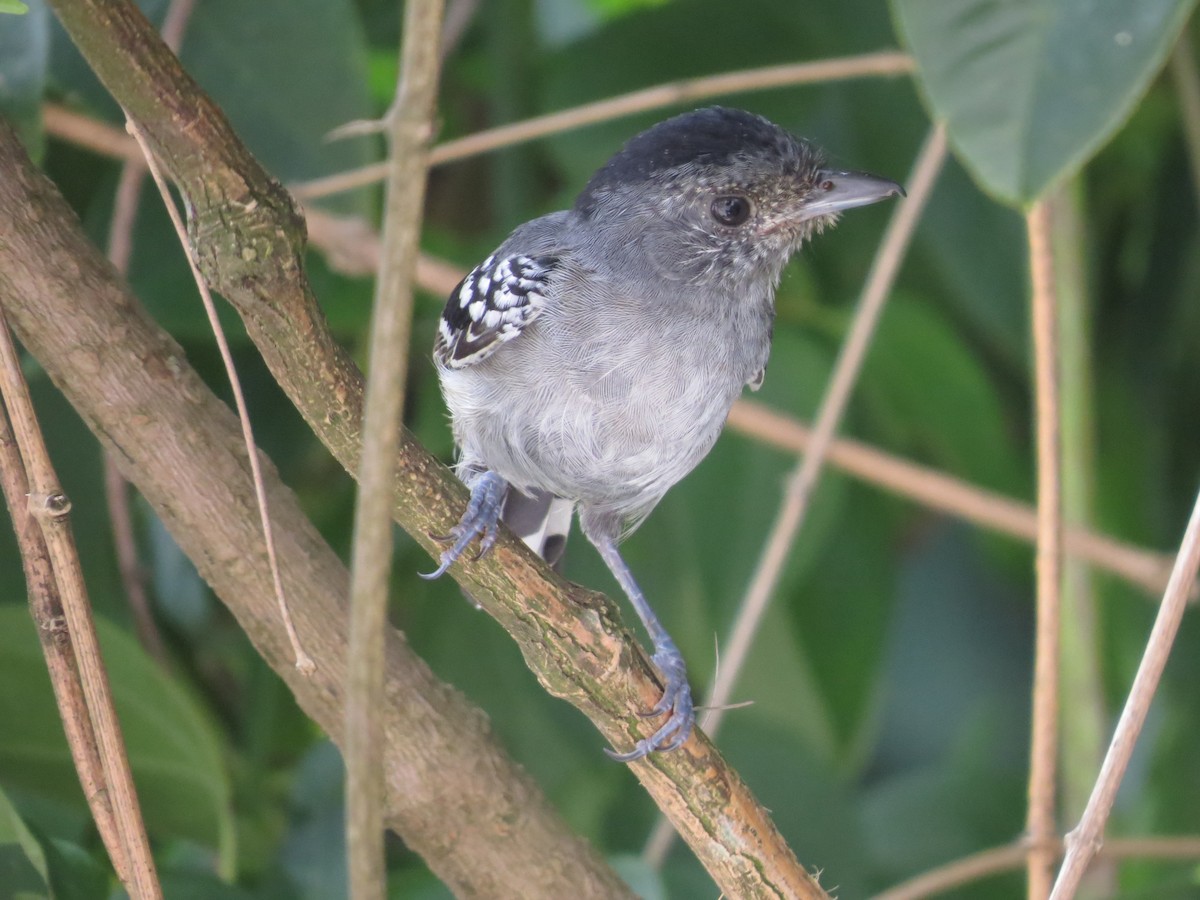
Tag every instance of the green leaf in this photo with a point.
(13, 6)
(1031, 89)
(181, 779)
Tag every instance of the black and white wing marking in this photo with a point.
(493, 304)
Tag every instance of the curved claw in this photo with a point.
(445, 562)
(482, 518)
(676, 700)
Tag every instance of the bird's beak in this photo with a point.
(836, 191)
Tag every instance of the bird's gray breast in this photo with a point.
(624, 395)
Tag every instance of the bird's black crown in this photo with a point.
(712, 137)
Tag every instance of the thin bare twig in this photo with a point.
(887, 62)
(944, 493)
(1084, 717)
(129, 567)
(800, 484)
(87, 132)
(410, 131)
(457, 18)
(1084, 841)
(49, 507)
(997, 860)
(1043, 751)
(45, 605)
(116, 489)
(304, 663)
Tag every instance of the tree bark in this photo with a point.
(479, 821)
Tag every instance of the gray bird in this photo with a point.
(590, 362)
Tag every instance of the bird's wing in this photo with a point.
(497, 300)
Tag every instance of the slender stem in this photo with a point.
(303, 661)
(997, 860)
(1083, 716)
(85, 131)
(1147, 570)
(410, 131)
(49, 506)
(45, 606)
(1040, 820)
(887, 62)
(129, 567)
(458, 16)
(1084, 841)
(102, 138)
(116, 489)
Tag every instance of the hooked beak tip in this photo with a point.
(836, 191)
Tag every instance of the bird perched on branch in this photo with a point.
(590, 362)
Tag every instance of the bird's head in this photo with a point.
(721, 196)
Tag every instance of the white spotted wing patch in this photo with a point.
(492, 305)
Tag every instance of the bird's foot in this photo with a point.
(676, 701)
(482, 520)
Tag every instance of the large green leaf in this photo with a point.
(181, 779)
(1031, 89)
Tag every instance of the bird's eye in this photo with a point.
(731, 210)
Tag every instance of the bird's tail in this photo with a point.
(542, 521)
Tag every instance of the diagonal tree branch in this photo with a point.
(249, 240)
(182, 448)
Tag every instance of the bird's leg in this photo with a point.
(481, 519)
(677, 695)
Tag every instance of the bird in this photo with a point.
(590, 362)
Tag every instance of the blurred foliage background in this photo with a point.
(891, 681)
